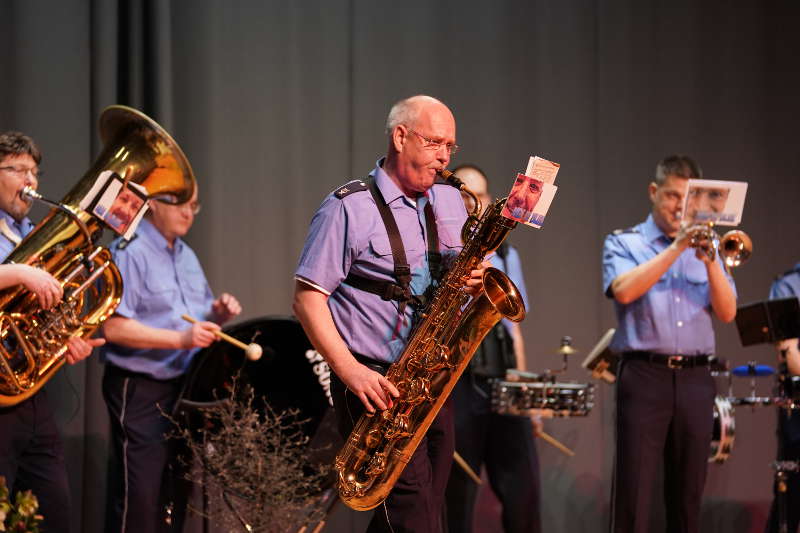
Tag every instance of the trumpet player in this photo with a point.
(31, 449)
(149, 351)
(355, 296)
(665, 294)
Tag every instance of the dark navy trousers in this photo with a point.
(141, 452)
(664, 419)
(32, 458)
(416, 502)
(505, 446)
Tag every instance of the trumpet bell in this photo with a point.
(735, 247)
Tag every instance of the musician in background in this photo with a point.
(31, 449)
(503, 443)
(664, 297)
(788, 286)
(348, 266)
(149, 350)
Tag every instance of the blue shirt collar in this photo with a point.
(389, 189)
(650, 230)
(150, 233)
(23, 227)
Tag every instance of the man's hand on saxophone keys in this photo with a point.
(475, 281)
(369, 386)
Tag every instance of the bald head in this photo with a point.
(422, 134)
(408, 111)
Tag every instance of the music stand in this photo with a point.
(601, 361)
(768, 321)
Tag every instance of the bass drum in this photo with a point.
(724, 431)
(289, 375)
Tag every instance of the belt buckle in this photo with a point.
(674, 361)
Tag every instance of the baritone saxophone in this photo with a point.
(450, 329)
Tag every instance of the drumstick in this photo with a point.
(252, 351)
(549, 439)
(470, 472)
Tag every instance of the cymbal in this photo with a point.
(566, 346)
(753, 370)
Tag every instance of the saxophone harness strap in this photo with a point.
(400, 290)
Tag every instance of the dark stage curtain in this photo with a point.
(276, 103)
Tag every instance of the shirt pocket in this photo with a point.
(696, 273)
(450, 234)
(159, 296)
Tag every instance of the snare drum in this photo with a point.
(724, 431)
(556, 399)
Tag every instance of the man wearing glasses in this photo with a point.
(31, 450)
(150, 348)
(356, 294)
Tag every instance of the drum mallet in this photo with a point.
(469, 471)
(252, 351)
(549, 439)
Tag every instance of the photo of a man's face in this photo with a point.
(704, 203)
(124, 209)
(523, 198)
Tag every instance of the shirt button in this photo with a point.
(680, 323)
(677, 298)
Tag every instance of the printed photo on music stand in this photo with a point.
(121, 205)
(720, 202)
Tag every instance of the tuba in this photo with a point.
(438, 351)
(33, 340)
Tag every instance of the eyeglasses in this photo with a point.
(435, 145)
(22, 172)
(170, 200)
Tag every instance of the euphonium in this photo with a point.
(439, 348)
(32, 340)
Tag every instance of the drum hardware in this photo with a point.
(252, 351)
(564, 350)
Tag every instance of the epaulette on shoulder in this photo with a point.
(626, 230)
(122, 244)
(789, 272)
(349, 188)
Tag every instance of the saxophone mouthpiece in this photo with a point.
(451, 178)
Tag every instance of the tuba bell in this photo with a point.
(64, 243)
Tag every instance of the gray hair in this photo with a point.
(677, 165)
(407, 111)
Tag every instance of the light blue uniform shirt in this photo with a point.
(787, 285)
(512, 266)
(674, 316)
(22, 229)
(160, 284)
(348, 235)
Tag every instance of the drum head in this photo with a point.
(289, 375)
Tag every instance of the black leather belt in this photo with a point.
(671, 361)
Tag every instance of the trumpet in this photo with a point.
(734, 248)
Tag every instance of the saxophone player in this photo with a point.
(31, 449)
(373, 249)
